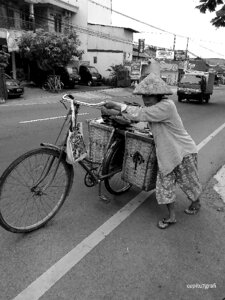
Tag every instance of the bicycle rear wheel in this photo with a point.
(28, 196)
(114, 163)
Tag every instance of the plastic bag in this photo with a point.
(75, 146)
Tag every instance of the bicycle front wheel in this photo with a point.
(29, 193)
(45, 87)
(114, 163)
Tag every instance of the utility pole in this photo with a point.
(111, 10)
(187, 48)
(174, 42)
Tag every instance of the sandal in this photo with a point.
(163, 224)
(193, 209)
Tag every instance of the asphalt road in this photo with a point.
(136, 260)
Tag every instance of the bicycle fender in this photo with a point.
(114, 144)
(50, 146)
(54, 147)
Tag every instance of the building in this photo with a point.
(100, 12)
(143, 56)
(198, 64)
(103, 44)
(169, 71)
(109, 45)
(19, 16)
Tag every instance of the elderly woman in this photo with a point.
(175, 149)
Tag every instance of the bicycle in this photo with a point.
(53, 84)
(35, 185)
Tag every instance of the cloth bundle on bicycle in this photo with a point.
(75, 146)
(115, 119)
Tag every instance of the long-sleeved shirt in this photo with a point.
(171, 139)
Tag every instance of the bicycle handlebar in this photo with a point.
(70, 98)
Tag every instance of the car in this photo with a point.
(69, 75)
(90, 75)
(14, 88)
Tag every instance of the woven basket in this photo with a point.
(140, 163)
(99, 138)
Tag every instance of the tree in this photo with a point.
(211, 5)
(4, 57)
(49, 50)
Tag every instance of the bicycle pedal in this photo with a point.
(104, 199)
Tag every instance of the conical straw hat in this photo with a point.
(152, 85)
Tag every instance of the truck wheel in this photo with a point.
(180, 98)
(200, 100)
(207, 97)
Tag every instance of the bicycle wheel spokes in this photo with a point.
(116, 182)
(28, 195)
(113, 164)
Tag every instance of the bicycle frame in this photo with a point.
(97, 178)
(62, 153)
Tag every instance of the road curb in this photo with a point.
(219, 187)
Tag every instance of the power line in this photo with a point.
(103, 35)
(149, 25)
(134, 19)
(210, 50)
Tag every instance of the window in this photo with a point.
(10, 17)
(25, 21)
(92, 69)
(95, 59)
(58, 23)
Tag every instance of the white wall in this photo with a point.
(80, 20)
(105, 60)
(109, 51)
(72, 2)
(89, 12)
(98, 14)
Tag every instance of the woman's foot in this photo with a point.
(194, 208)
(165, 223)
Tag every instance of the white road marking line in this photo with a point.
(211, 136)
(47, 119)
(43, 283)
(220, 176)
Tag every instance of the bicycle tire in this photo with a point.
(45, 87)
(114, 159)
(24, 207)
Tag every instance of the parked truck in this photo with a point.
(196, 85)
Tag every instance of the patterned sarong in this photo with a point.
(185, 175)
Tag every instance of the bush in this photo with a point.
(116, 71)
(110, 81)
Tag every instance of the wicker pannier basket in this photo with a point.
(99, 137)
(140, 163)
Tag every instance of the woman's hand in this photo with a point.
(109, 112)
(112, 105)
